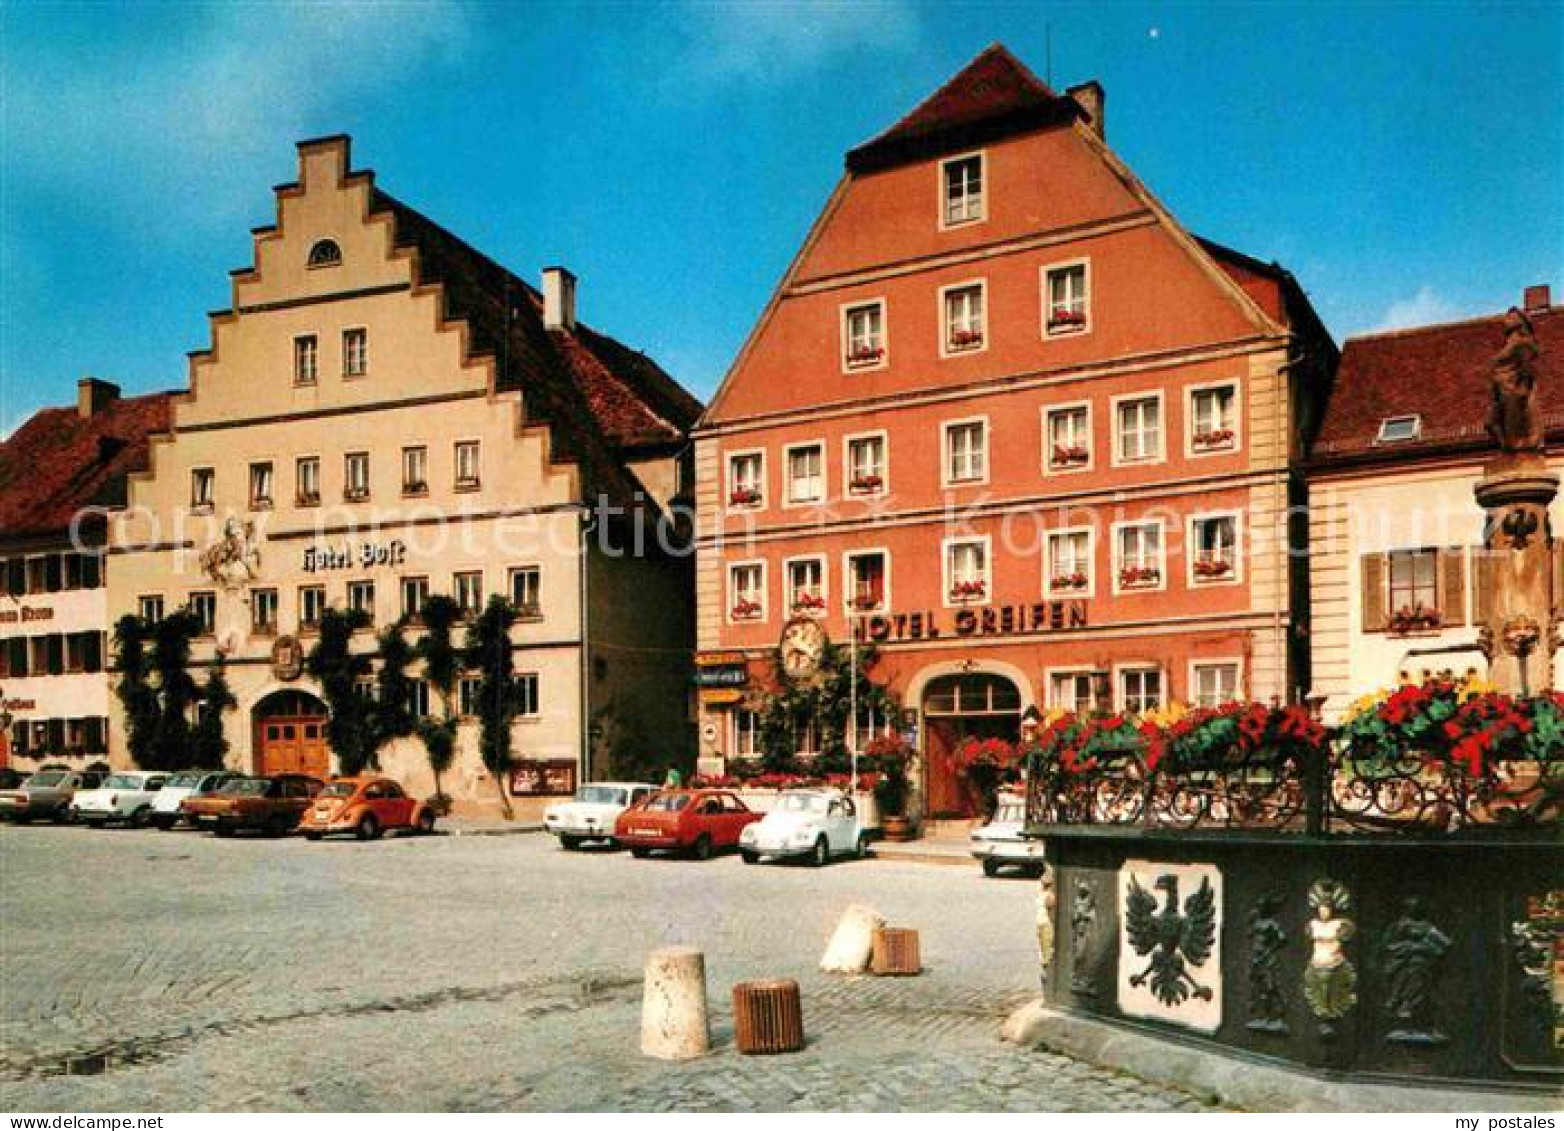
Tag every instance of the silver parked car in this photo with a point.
(999, 844)
(47, 794)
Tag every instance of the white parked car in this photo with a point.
(999, 844)
(124, 796)
(165, 805)
(590, 815)
(813, 823)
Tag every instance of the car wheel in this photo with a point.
(312, 836)
(749, 857)
(221, 829)
(991, 868)
(368, 828)
(861, 848)
(640, 853)
(570, 843)
(822, 853)
(280, 825)
(425, 823)
(702, 848)
(138, 819)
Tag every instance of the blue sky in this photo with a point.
(1404, 161)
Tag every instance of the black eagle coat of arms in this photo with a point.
(1175, 939)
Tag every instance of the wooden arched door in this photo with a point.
(290, 735)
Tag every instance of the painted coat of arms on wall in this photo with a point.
(1170, 943)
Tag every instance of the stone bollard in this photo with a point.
(852, 944)
(674, 1025)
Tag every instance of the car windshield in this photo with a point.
(247, 785)
(122, 781)
(801, 803)
(339, 789)
(47, 778)
(669, 803)
(601, 795)
(182, 781)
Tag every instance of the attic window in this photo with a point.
(1399, 429)
(325, 253)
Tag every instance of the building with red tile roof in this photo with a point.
(1394, 528)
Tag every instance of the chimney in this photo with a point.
(93, 396)
(559, 299)
(1537, 298)
(1090, 96)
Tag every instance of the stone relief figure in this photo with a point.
(1413, 950)
(1514, 420)
(1267, 940)
(1175, 941)
(1330, 981)
(235, 558)
(1045, 922)
(1083, 930)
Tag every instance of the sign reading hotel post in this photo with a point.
(366, 555)
(1030, 619)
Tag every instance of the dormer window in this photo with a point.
(325, 253)
(1400, 429)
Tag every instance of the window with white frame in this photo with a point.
(149, 607)
(964, 322)
(867, 581)
(415, 470)
(746, 734)
(963, 189)
(746, 591)
(467, 470)
(1414, 587)
(1069, 561)
(746, 480)
(863, 328)
(1069, 438)
(1065, 288)
(203, 606)
(355, 352)
(806, 586)
(306, 481)
(312, 605)
(263, 611)
(1140, 690)
(966, 452)
(806, 473)
(467, 588)
(203, 485)
(1139, 552)
(1215, 548)
(260, 485)
(526, 591)
(528, 698)
(1082, 692)
(866, 465)
(1214, 684)
(415, 593)
(306, 360)
(1213, 427)
(418, 698)
(361, 598)
(355, 475)
(467, 690)
(1140, 429)
(966, 570)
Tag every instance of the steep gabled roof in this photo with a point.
(995, 94)
(1438, 373)
(59, 462)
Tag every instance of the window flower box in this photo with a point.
(744, 497)
(868, 604)
(1073, 455)
(531, 610)
(1070, 581)
(865, 355)
(965, 339)
(1139, 577)
(969, 590)
(355, 494)
(1210, 569)
(307, 499)
(865, 484)
(1214, 440)
(746, 610)
(1414, 618)
(809, 603)
(1066, 320)
(418, 487)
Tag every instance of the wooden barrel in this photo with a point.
(768, 1016)
(896, 952)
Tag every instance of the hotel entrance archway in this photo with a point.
(955, 708)
(290, 735)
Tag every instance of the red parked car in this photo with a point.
(697, 821)
(365, 806)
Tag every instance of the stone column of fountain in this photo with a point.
(1519, 633)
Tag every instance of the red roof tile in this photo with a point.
(1439, 373)
(995, 93)
(58, 462)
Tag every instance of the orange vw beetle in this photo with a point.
(366, 807)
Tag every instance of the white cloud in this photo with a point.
(1422, 309)
(768, 40)
(198, 117)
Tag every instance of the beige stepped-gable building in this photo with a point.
(385, 413)
(1396, 535)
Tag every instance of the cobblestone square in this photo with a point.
(175, 971)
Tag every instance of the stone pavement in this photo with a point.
(173, 971)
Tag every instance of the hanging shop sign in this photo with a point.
(721, 696)
(543, 779)
(366, 555)
(1038, 618)
(721, 669)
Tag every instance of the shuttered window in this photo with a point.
(1452, 585)
(1374, 592)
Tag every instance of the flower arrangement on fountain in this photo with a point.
(1414, 618)
(1462, 723)
(1175, 739)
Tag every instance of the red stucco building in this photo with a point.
(1009, 417)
